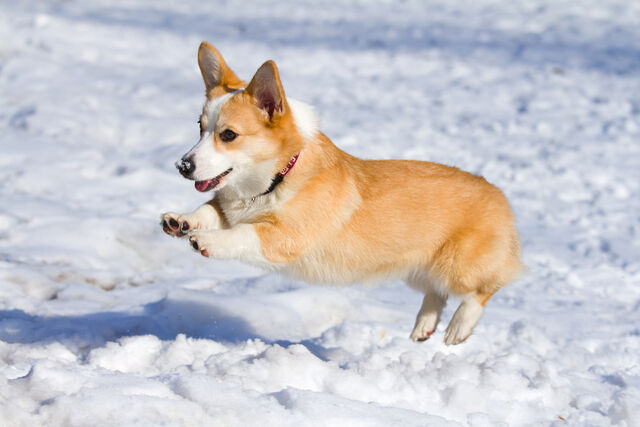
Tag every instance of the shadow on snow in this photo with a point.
(165, 319)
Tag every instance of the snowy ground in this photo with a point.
(104, 320)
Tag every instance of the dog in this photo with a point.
(286, 198)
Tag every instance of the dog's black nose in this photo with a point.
(186, 166)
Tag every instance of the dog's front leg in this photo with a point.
(240, 242)
(206, 217)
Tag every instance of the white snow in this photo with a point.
(104, 320)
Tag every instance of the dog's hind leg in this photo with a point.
(465, 318)
(428, 316)
(206, 217)
(432, 305)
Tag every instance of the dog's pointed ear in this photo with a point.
(265, 87)
(215, 71)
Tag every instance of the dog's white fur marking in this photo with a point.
(248, 180)
(212, 109)
(240, 242)
(463, 321)
(209, 162)
(203, 218)
(305, 118)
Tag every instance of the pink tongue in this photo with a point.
(203, 185)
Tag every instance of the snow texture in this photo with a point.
(104, 320)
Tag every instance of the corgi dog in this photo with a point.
(285, 198)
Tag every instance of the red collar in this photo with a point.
(289, 166)
(280, 175)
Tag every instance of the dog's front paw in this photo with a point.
(201, 242)
(175, 224)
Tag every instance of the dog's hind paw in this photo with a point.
(464, 320)
(420, 335)
(425, 326)
(455, 335)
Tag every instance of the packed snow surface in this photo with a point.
(104, 320)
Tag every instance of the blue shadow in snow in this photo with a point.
(165, 319)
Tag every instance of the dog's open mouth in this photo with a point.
(211, 183)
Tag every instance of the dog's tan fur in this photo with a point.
(340, 219)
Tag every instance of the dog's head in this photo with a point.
(247, 132)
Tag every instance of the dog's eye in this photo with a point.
(228, 135)
(200, 125)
